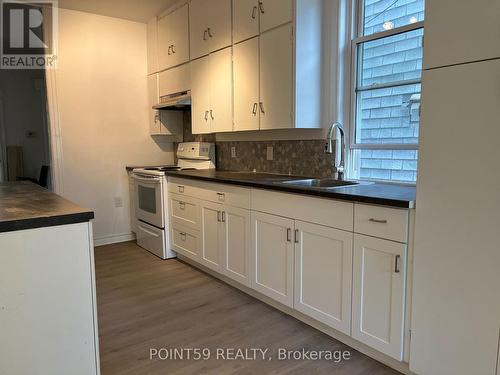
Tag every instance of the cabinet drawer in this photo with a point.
(383, 222)
(184, 210)
(221, 193)
(185, 241)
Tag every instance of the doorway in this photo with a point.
(24, 135)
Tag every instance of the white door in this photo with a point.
(179, 30)
(221, 91)
(211, 216)
(236, 244)
(274, 13)
(272, 257)
(153, 98)
(379, 294)
(461, 31)
(245, 19)
(219, 24)
(276, 78)
(198, 25)
(323, 274)
(152, 40)
(200, 96)
(246, 85)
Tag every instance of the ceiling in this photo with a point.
(134, 10)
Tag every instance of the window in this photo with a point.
(387, 61)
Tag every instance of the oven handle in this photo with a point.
(146, 179)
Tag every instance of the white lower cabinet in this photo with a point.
(272, 256)
(323, 274)
(379, 294)
(236, 244)
(211, 234)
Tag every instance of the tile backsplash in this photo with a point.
(296, 157)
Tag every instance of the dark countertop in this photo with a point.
(393, 195)
(24, 205)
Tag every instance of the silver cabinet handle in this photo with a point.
(206, 115)
(182, 205)
(288, 235)
(183, 236)
(254, 109)
(205, 35)
(378, 221)
(169, 47)
(212, 115)
(296, 236)
(221, 196)
(218, 216)
(254, 12)
(181, 188)
(396, 263)
(261, 105)
(173, 48)
(261, 6)
(223, 216)
(209, 32)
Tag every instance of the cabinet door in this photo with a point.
(245, 19)
(219, 24)
(274, 13)
(472, 33)
(210, 234)
(236, 244)
(276, 78)
(246, 85)
(221, 91)
(323, 274)
(200, 95)
(198, 25)
(175, 80)
(379, 294)
(272, 257)
(178, 28)
(154, 115)
(152, 45)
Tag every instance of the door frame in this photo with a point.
(54, 132)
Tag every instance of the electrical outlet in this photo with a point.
(118, 202)
(233, 152)
(269, 153)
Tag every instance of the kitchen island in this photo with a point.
(48, 314)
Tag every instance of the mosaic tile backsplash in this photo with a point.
(299, 158)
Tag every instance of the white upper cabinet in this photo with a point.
(210, 26)
(323, 274)
(461, 31)
(175, 80)
(245, 19)
(378, 305)
(272, 256)
(173, 38)
(162, 122)
(152, 45)
(211, 93)
(246, 85)
(274, 13)
(275, 103)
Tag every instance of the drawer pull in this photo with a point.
(396, 263)
(222, 196)
(183, 236)
(182, 205)
(378, 221)
(181, 188)
(223, 216)
(218, 216)
(288, 235)
(296, 236)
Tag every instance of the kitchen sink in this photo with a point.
(327, 183)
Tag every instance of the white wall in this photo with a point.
(103, 112)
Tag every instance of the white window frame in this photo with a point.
(357, 38)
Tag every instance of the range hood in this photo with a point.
(175, 102)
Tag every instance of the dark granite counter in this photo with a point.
(24, 205)
(393, 195)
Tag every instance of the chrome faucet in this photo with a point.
(331, 146)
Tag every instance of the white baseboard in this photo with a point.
(113, 238)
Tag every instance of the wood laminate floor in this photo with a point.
(144, 302)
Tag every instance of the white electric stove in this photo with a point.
(151, 195)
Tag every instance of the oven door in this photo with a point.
(148, 195)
